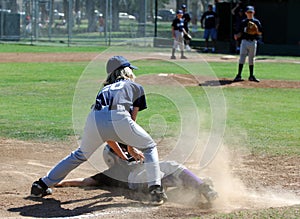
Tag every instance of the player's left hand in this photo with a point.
(136, 153)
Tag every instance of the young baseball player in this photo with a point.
(186, 20)
(250, 31)
(210, 22)
(178, 32)
(112, 120)
(131, 175)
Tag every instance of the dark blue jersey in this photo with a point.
(126, 93)
(243, 27)
(210, 19)
(178, 24)
(186, 19)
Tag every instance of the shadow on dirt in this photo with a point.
(221, 82)
(50, 207)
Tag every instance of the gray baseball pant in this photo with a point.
(248, 47)
(103, 125)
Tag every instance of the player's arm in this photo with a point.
(78, 182)
(201, 20)
(240, 29)
(260, 29)
(134, 113)
(217, 21)
(134, 152)
(117, 149)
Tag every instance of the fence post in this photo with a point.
(70, 21)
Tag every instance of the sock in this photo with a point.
(42, 184)
(251, 68)
(240, 70)
(173, 52)
(189, 179)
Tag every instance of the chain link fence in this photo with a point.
(102, 22)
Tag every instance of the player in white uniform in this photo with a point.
(112, 120)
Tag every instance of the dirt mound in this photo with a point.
(195, 80)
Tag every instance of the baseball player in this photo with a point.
(186, 20)
(131, 175)
(250, 31)
(178, 32)
(210, 22)
(112, 120)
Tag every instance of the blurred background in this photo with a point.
(144, 22)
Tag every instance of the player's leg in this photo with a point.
(175, 44)
(78, 182)
(243, 55)
(214, 39)
(128, 132)
(181, 44)
(252, 53)
(176, 175)
(206, 38)
(187, 42)
(91, 140)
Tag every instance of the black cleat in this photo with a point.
(253, 78)
(208, 192)
(238, 79)
(39, 189)
(158, 195)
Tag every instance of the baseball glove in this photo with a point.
(252, 29)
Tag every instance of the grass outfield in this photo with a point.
(36, 104)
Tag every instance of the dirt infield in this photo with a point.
(244, 181)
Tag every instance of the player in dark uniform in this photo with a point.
(177, 33)
(248, 44)
(238, 17)
(186, 19)
(131, 175)
(210, 22)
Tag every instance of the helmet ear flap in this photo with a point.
(108, 156)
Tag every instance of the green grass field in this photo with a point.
(36, 102)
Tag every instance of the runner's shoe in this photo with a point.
(40, 189)
(158, 195)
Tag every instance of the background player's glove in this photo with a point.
(252, 29)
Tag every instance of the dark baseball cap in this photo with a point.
(183, 6)
(249, 8)
(116, 62)
(179, 12)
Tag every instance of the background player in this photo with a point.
(186, 19)
(177, 33)
(248, 43)
(112, 120)
(210, 22)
